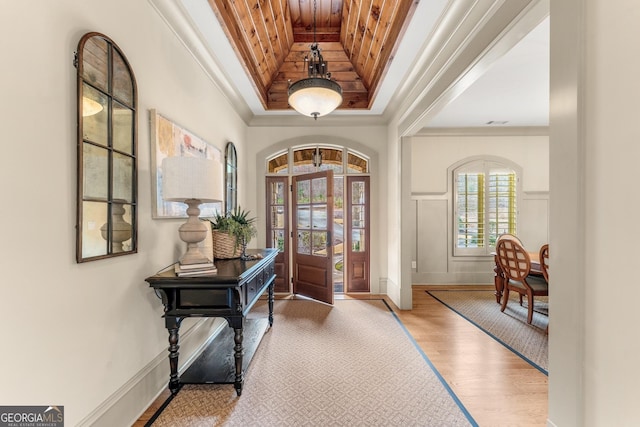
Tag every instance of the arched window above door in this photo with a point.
(357, 163)
(317, 158)
(278, 163)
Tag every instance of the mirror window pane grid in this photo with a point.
(95, 62)
(122, 178)
(122, 83)
(94, 216)
(95, 119)
(107, 176)
(122, 128)
(96, 168)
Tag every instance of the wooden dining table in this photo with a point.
(499, 277)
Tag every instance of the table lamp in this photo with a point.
(192, 181)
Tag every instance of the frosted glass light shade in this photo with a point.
(315, 97)
(191, 178)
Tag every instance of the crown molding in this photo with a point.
(486, 131)
(179, 21)
(468, 41)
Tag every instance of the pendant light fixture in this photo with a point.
(317, 95)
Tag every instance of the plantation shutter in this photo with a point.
(470, 210)
(501, 205)
(485, 206)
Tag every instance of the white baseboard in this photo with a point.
(131, 400)
(393, 291)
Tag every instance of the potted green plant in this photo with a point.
(232, 232)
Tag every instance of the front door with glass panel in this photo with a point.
(312, 232)
(348, 221)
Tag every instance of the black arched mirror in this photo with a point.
(231, 177)
(107, 149)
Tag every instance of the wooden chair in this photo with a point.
(544, 265)
(516, 265)
(544, 261)
(510, 237)
(499, 278)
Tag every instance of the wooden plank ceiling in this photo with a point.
(357, 39)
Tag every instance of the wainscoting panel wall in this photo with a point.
(533, 219)
(433, 242)
(433, 154)
(431, 239)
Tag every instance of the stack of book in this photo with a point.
(202, 269)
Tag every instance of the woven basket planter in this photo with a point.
(223, 246)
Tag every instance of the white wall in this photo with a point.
(432, 156)
(84, 335)
(397, 282)
(594, 150)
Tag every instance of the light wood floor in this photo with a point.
(497, 387)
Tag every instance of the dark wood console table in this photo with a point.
(229, 294)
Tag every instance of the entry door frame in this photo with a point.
(357, 267)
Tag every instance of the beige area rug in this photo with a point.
(509, 327)
(351, 364)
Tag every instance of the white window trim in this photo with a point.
(476, 164)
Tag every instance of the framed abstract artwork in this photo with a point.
(169, 139)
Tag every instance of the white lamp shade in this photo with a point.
(191, 178)
(315, 97)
